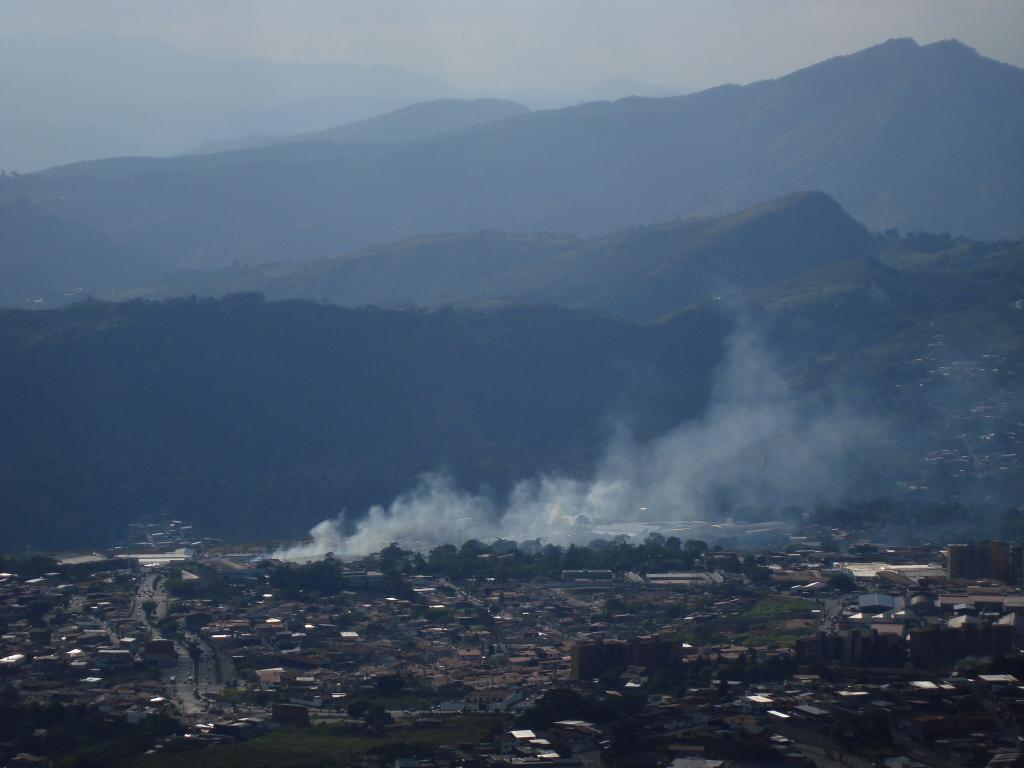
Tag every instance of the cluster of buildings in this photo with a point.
(644, 653)
(80, 641)
(160, 536)
(981, 432)
(902, 654)
(995, 560)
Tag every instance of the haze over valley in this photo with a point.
(567, 300)
(476, 384)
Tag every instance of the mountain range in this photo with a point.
(94, 95)
(47, 260)
(416, 121)
(923, 138)
(642, 273)
(467, 286)
(257, 418)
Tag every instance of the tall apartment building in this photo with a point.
(591, 658)
(934, 646)
(986, 560)
(852, 648)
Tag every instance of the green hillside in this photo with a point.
(260, 419)
(642, 273)
(257, 419)
(46, 260)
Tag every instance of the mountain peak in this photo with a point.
(902, 49)
(895, 52)
(803, 202)
(897, 43)
(951, 45)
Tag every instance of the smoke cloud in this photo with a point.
(757, 444)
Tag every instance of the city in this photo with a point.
(483, 384)
(618, 652)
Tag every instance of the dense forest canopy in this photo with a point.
(258, 419)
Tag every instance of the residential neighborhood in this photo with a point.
(876, 656)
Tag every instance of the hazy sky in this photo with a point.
(507, 44)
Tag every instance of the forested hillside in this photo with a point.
(48, 260)
(642, 273)
(262, 418)
(256, 419)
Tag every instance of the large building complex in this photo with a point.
(986, 560)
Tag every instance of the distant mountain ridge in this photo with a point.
(416, 121)
(48, 260)
(642, 273)
(924, 138)
(94, 95)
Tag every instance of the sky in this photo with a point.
(509, 44)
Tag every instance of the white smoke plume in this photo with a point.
(758, 444)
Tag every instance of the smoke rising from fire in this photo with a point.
(757, 444)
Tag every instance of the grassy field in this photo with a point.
(320, 746)
(774, 620)
(777, 620)
(778, 636)
(779, 607)
(405, 699)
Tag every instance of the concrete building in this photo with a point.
(986, 560)
(591, 658)
(933, 646)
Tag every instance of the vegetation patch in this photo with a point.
(327, 746)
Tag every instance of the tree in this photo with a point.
(357, 708)
(390, 683)
(444, 560)
(376, 716)
(654, 541)
(695, 547)
(391, 559)
(755, 571)
(842, 583)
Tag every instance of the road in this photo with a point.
(189, 679)
(831, 612)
